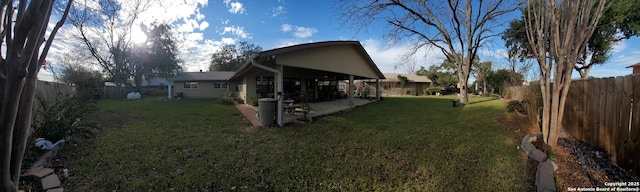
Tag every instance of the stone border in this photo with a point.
(544, 173)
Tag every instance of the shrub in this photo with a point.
(225, 100)
(431, 90)
(63, 117)
(511, 106)
(533, 102)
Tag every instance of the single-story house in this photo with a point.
(155, 81)
(636, 68)
(311, 71)
(391, 85)
(212, 84)
(314, 71)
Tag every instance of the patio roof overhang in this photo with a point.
(330, 60)
(334, 59)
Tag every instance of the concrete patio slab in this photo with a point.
(316, 109)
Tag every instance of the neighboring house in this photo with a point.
(636, 68)
(155, 81)
(202, 85)
(391, 85)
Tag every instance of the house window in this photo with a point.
(220, 85)
(190, 85)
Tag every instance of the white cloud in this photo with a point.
(304, 32)
(275, 11)
(234, 7)
(626, 59)
(185, 18)
(203, 25)
(298, 31)
(619, 46)
(494, 55)
(387, 56)
(237, 31)
(226, 40)
(285, 27)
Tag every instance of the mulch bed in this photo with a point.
(580, 164)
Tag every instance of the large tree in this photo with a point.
(620, 21)
(105, 29)
(231, 57)
(458, 28)
(558, 33)
(83, 79)
(482, 71)
(24, 25)
(158, 57)
(438, 75)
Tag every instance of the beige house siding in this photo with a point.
(394, 88)
(338, 58)
(205, 90)
(246, 88)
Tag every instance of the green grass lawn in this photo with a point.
(403, 143)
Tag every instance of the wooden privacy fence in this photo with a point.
(606, 113)
(51, 90)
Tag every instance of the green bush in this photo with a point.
(225, 100)
(431, 90)
(512, 105)
(65, 116)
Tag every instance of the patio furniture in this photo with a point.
(292, 108)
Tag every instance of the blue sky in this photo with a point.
(202, 26)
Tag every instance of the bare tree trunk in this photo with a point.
(14, 84)
(18, 75)
(558, 32)
(584, 72)
(484, 85)
(464, 95)
(23, 124)
(545, 89)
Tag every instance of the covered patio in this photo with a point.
(316, 109)
(308, 73)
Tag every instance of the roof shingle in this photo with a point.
(203, 76)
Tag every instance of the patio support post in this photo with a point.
(169, 90)
(280, 94)
(351, 86)
(278, 74)
(378, 89)
(303, 86)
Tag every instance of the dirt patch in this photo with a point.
(248, 129)
(585, 165)
(580, 165)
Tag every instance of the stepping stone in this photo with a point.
(40, 172)
(538, 155)
(544, 176)
(50, 182)
(56, 190)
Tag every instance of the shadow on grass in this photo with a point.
(485, 99)
(420, 141)
(403, 143)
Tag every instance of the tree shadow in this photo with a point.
(484, 100)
